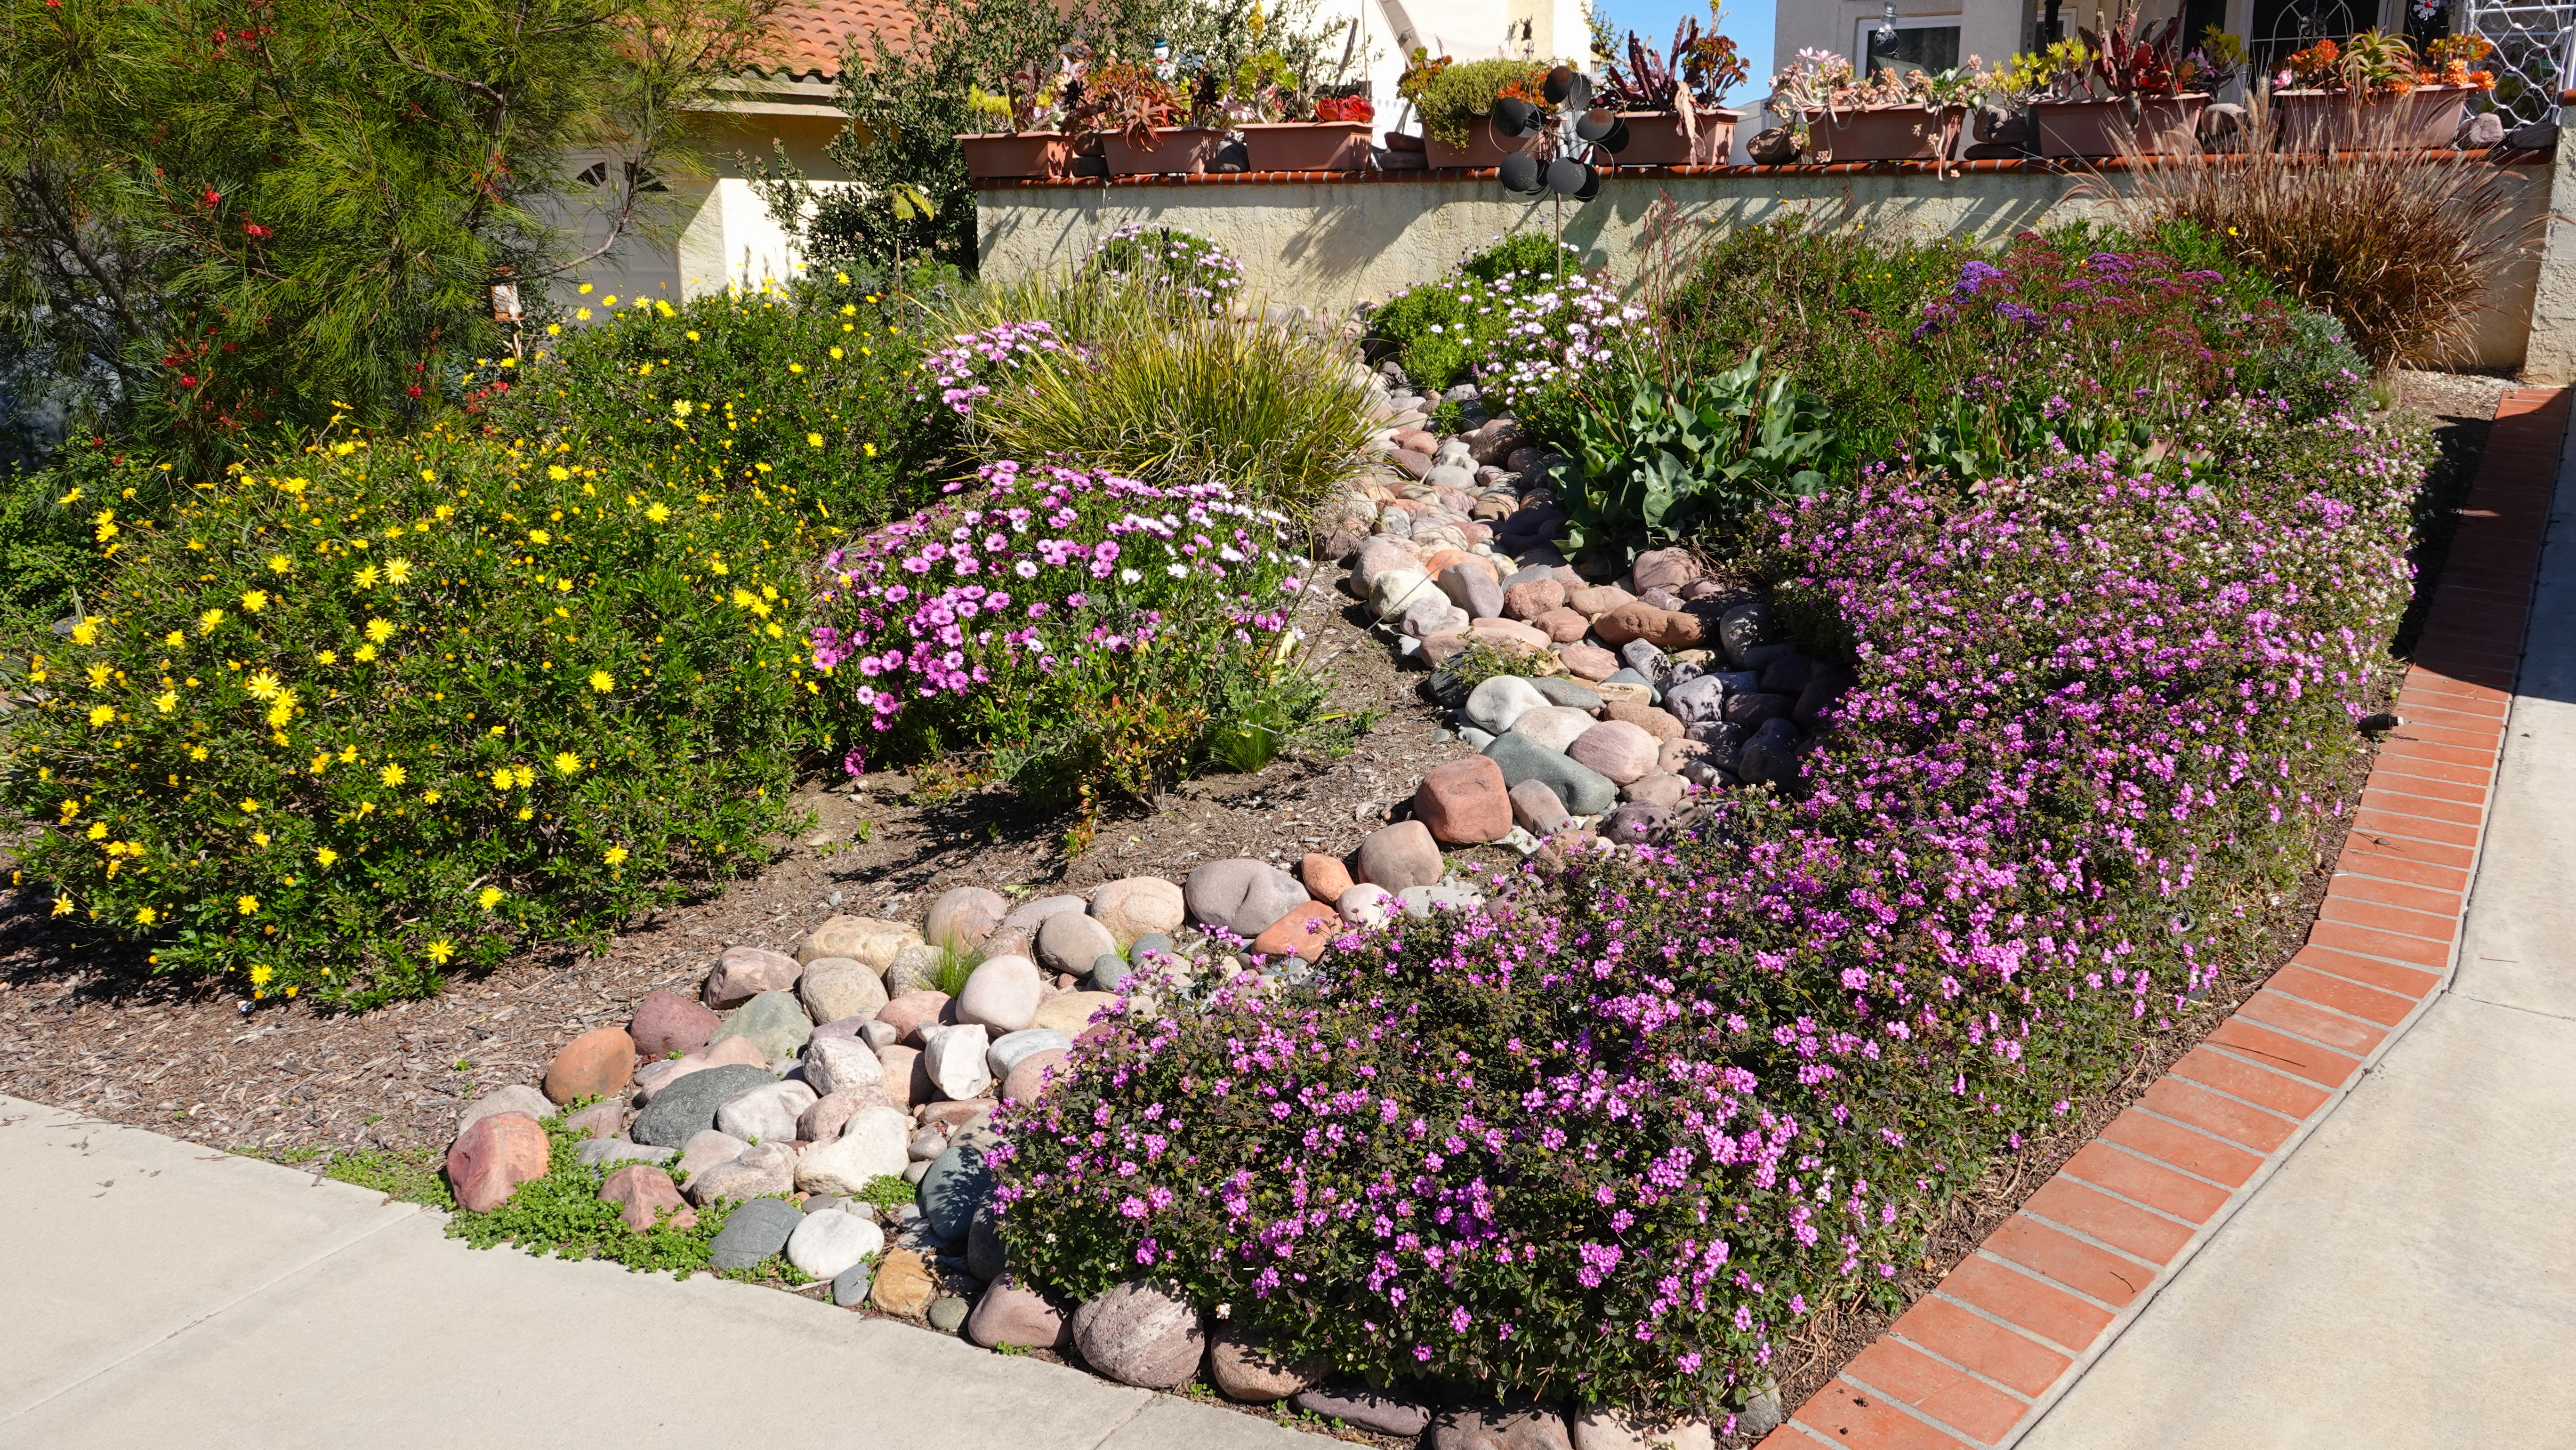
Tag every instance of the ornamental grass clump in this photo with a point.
(1085, 628)
(1617, 1138)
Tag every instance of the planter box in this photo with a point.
(1026, 153)
(1485, 147)
(1655, 139)
(2425, 119)
(1885, 133)
(1308, 145)
(2164, 126)
(1186, 149)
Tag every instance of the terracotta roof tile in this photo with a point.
(812, 33)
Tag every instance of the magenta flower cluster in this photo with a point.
(1615, 1135)
(966, 370)
(1031, 569)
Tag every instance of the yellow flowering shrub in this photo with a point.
(391, 706)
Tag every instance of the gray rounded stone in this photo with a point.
(834, 989)
(963, 917)
(1141, 1334)
(1108, 974)
(1242, 895)
(1070, 941)
(1585, 791)
(1745, 627)
(1574, 693)
(753, 1231)
(957, 1183)
(850, 1286)
(688, 1107)
(986, 1256)
(774, 1022)
(1032, 915)
(948, 1315)
(1013, 1048)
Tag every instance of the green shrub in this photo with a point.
(52, 558)
(1443, 330)
(1463, 93)
(561, 1215)
(277, 748)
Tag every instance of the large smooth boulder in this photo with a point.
(1070, 942)
(957, 1183)
(1241, 895)
(1003, 992)
(516, 1098)
(954, 1057)
(830, 1241)
(961, 918)
(871, 1146)
(765, 1114)
(1009, 1315)
(1247, 1370)
(1139, 906)
(594, 1065)
(743, 973)
(1585, 791)
(1665, 569)
(1030, 915)
(1465, 802)
(666, 1022)
(860, 938)
(752, 1232)
(687, 1107)
(1397, 856)
(1495, 704)
(774, 1022)
(835, 989)
(1536, 808)
(493, 1156)
(1555, 727)
(1615, 749)
(1141, 1334)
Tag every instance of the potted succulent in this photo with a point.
(1456, 103)
(1841, 117)
(1027, 108)
(1265, 102)
(1675, 110)
(2373, 89)
(1133, 110)
(2123, 88)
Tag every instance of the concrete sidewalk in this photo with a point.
(159, 1293)
(2407, 1279)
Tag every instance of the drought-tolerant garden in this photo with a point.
(1886, 690)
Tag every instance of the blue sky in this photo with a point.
(1748, 23)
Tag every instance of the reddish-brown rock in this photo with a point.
(1304, 933)
(1594, 600)
(1465, 802)
(594, 1065)
(1589, 662)
(1676, 629)
(1629, 621)
(666, 1022)
(911, 1012)
(906, 1080)
(1028, 1075)
(1509, 632)
(743, 973)
(1326, 878)
(1010, 1314)
(1658, 723)
(644, 1195)
(492, 1157)
(1533, 600)
(1562, 625)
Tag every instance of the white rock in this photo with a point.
(1604, 1429)
(1397, 588)
(834, 1063)
(955, 1057)
(766, 1113)
(869, 1148)
(1498, 702)
(1554, 726)
(1012, 1048)
(830, 1241)
(1367, 905)
(705, 1150)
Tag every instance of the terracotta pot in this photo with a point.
(1884, 133)
(1655, 139)
(2427, 118)
(1308, 145)
(2165, 126)
(1025, 153)
(1187, 149)
(1485, 147)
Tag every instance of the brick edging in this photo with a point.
(1976, 1362)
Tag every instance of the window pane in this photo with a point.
(1929, 48)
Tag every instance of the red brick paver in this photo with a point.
(1977, 1361)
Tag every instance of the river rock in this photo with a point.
(1697, 701)
(832, 1112)
(493, 1156)
(704, 1151)
(1635, 823)
(904, 1284)
(1303, 933)
(962, 917)
(1465, 801)
(645, 1196)
(954, 1057)
(1009, 1048)
(1499, 701)
(1392, 592)
(1536, 809)
(1615, 749)
(1244, 1369)
(688, 1106)
(1594, 600)
(873, 1145)
(1657, 723)
(1585, 791)
(850, 1287)
(1667, 569)
(743, 973)
(1003, 992)
(1600, 1428)
(1070, 941)
(841, 1064)
(666, 1022)
(1031, 915)
(1562, 627)
(827, 1243)
(1588, 661)
(755, 1230)
(1241, 895)
(1325, 877)
(1070, 1012)
(767, 1113)
(1770, 757)
(1554, 727)
(758, 1171)
(605, 1119)
(958, 1183)
(1141, 1334)
(516, 1098)
(1397, 856)
(907, 1081)
(1366, 1408)
(1367, 905)
(1011, 1315)
(1533, 600)
(1138, 906)
(914, 1012)
(1659, 789)
(1031, 1075)
(1745, 626)
(774, 1022)
(860, 938)
(1471, 587)
(1817, 701)
(1528, 1427)
(835, 988)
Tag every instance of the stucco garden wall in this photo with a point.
(1328, 240)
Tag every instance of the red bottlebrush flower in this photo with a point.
(212, 196)
(187, 380)
(413, 390)
(255, 229)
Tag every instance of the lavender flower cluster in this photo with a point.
(1616, 1136)
(1167, 256)
(966, 370)
(1556, 331)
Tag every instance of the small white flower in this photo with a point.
(1129, 576)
